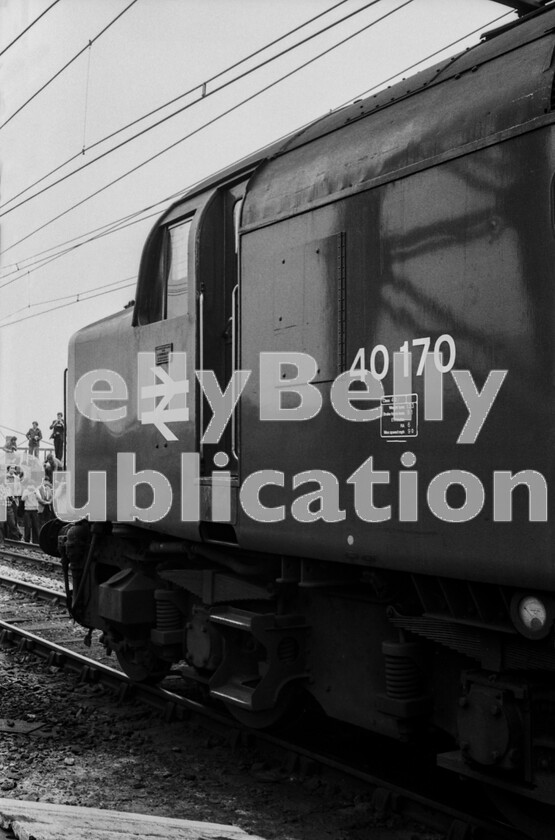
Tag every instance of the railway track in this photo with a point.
(22, 544)
(299, 756)
(27, 554)
(38, 569)
(33, 590)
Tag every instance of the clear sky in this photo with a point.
(156, 51)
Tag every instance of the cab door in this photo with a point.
(218, 342)
(165, 339)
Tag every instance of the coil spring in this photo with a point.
(168, 616)
(402, 677)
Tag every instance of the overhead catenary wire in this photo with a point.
(206, 124)
(203, 96)
(68, 64)
(67, 297)
(46, 260)
(121, 223)
(37, 261)
(201, 85)
(78, 299)
(43, 257)
(27, 28)
(106, 228)
(110, 227)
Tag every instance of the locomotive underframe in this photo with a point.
(241, 625)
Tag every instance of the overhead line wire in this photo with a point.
(242, 61)
(132, 277)
(177, 98)
(44, 261)
(205, 125)
(106, 227)
(103, 230)
(99, 233)
(174, 113)
(64, 305)
(93, 235)
(68, 64)
(118, 224)
(27, 28)
(73, 294)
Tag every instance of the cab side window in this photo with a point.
(177, 285)
(164, 275)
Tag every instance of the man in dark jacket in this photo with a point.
(58, 431)
(34, 436)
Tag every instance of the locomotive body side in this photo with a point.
(451, 250)
(385, 550)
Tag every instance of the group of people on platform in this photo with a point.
(26, 498)
(34, 436)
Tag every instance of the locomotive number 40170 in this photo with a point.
(162, 391)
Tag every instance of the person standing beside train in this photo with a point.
(31, 525)
(34, 436)
(58, 432)
(44, 496)
(51, 464)
(13, 483)
(8, 526)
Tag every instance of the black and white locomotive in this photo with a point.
(324, 432)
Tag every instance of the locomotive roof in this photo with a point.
(459, 101)
(495, 43)
(475, 99)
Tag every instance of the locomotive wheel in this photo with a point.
(142, 665)
(286, 711)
